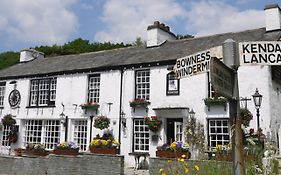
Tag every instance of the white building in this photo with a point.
(38, 90)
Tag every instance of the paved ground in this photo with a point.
(131, 171)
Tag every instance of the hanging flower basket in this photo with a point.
(90, 106)
(101, 122)
(246, 116)
(8, 120)
(153, 123)
(138, 102)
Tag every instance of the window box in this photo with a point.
(90, 106)
(68, 152)
(111, 151)
(215, 101)
(139, 103)
(172, 154)
(39, 153)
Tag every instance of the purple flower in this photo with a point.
(179, 144)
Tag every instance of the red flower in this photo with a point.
(252, 131)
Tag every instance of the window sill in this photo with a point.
(50, 106)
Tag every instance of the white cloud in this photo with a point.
(210, 17)
(44, 21)
(125, 20)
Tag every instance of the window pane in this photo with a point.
(80, 134)
(218, 132)
(94, 89)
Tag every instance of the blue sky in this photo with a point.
(30, 23)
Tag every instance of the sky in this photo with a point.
(30, 23)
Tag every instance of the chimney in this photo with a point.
(30, 54)
(272, 17)
(158, 33)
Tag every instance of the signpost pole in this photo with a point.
(230, 57)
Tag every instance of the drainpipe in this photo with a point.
(120, 105)
(91, 127)
(66, 128)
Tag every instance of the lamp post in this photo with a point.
(257, 101)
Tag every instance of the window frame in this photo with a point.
(94, 99)
(146, 138)
(209, 132)
(50, 92)
(146, 94)
(82, 124)
(41, 133)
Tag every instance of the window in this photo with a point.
(218, 132)
(80, 134)
(94, 89)
(2, 93)
(46, 132)
(173, 84)
(178, 131)
(142, 84)
(141, 136)
(43, 92)
(6, 131)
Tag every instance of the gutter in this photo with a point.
(120, 106)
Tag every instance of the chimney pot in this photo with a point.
(272, 17)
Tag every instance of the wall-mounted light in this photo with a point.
(123, 120)
(64, 122)
(191, 113)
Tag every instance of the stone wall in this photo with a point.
(86, 164)
(205, 166)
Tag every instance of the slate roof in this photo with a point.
(113, 59)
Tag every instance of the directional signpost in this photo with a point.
(222, 78)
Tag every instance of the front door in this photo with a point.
(174, 130)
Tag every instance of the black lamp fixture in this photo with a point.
(257, 97)
(191, 113)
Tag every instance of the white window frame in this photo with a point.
(2, 93)
(218, 132)
(80, 129)
(178, 131)
(43, 92)
(46, 132)
(141, 136)
(142, 84)
(94, 88)
(5, 133)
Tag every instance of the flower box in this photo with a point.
(111, 151)
(224, 157)
(139, 103)
(172, 154)
(215, 101)
(68, 152)
(90, 106)
(39, 153)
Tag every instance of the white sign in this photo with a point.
(260, 52)
(196, 63)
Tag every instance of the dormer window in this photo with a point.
(43, 92)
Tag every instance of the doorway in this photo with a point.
(174, 131)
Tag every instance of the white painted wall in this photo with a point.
(72, 91)
(272, 19)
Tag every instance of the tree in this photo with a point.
(187, 36)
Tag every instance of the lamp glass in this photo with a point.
(191, 113)
(257, 97)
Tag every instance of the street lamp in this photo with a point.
(257, 101)
(191, 113)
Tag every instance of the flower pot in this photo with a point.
(68, 152)
(39, 153)
(112, 151)
(172, 154)
(90, 107)
(224, 157)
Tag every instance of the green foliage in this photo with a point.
(78, 46)
(8, 59)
